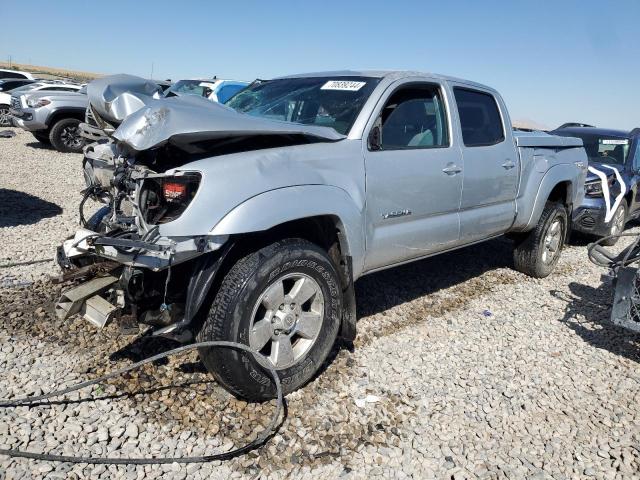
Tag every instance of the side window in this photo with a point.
(414, 117)
(636, 157)
(9, 74)
(228, 91)
(479, 118)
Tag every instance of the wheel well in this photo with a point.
(323, 230)
(629, 197)
(560, 193)
(57, 116)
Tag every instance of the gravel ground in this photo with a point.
(462, 368)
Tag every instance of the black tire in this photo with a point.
(42, 137)
(65, 136)
(611, 241)
(230, 318)
(529, 254)
(5, 116)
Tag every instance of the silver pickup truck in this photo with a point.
(52, 115)
(250, 221)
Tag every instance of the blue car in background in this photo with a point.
(612, 197)
(215, 89)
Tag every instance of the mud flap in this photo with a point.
(348, 325)
(200, 283)
(625, 311)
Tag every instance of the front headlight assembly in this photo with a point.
(37, 102)
(593, 188)
(164, 199)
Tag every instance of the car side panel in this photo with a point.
(490, 181)
(540, 181)
(294, 203)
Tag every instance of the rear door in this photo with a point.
(491, 164)
(413, 176)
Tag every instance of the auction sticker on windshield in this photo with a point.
(612, 141)
(347, 85)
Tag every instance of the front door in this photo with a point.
(413, 177)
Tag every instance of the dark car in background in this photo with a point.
(7, 84)
(612, 197)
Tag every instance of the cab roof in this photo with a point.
(386, 74)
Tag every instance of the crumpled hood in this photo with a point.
(117, 96)
(189, 118)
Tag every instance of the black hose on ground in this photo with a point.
(260, 439)
(27, 262)
(610, 260)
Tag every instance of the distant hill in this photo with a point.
(52, 72)
(529, 124)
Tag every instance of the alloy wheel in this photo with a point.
(553, 241)
(70, 137)
(5, 117)
(617, 225)
(287, 319)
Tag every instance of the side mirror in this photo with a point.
(375, 140)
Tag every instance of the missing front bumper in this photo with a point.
(145, 282)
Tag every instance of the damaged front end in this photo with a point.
(152, 245)
(131, 270)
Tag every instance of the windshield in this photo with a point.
(320, 101)
(605, 149)
(26, 88)
(189, 87)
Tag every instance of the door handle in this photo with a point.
(508, 165)
(452, 169)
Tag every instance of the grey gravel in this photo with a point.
(434, 388)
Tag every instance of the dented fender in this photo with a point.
(275, 207)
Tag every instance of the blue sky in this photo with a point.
(553, 61)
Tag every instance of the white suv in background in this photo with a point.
(214, 89)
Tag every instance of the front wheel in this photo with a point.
(5, 116)
(537, 252)
(65, 136)
(284, 301)
(616, 227)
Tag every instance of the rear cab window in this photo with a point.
(480, 118)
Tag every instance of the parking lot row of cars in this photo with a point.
(53, 110)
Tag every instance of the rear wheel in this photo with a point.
(616, 227)
(283, 301)
(65, 136)
(5, 116)
(537, 252)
